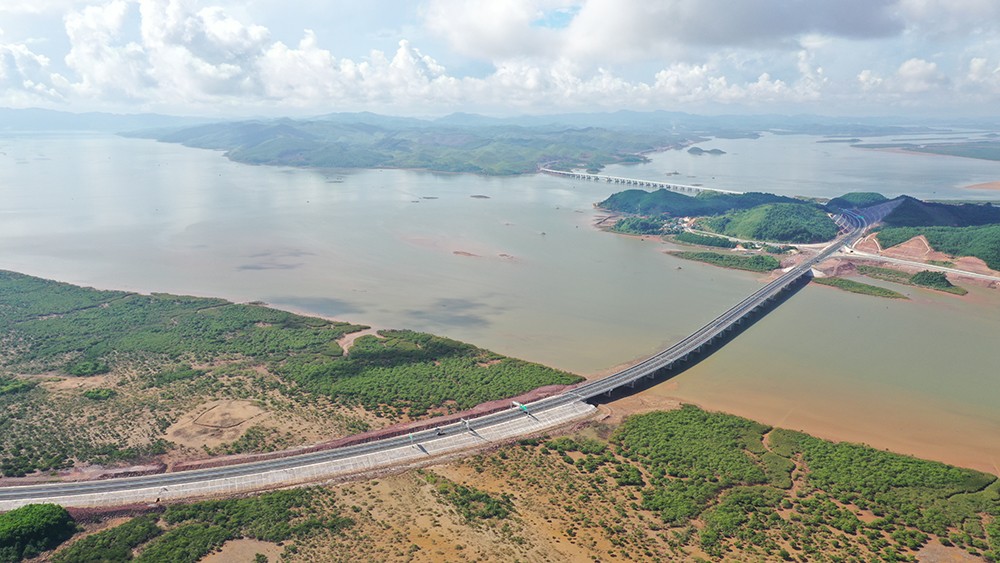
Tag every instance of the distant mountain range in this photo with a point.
(35, 119)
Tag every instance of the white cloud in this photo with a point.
(105, 66)
(951, 17)
(492, 30)
(196, 54)
(981, 71)
(25, 78)
(38, 6)
(869, 80)
(631, 30)
(206, 56)
(916, 82)
(918, 75)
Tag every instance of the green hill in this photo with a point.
(776, 222)
(664, 201)
(855, 200)
(915, 213)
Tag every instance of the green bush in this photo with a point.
(113, 545)
(753, 263)
(88, 367)
(473, 504)
(928, 278)
(99, 394)
(185, 544)
(12, 385)
(858, 287)
(30, 530)
(638, 226)
(704, 240)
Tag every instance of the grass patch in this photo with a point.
(920, 279)
(754, 263)
(638, 226)
(704, 240)
(858, 287)
(100, 394)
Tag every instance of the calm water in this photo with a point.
(798, 165)
(522, 271)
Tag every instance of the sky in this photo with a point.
(233, 58)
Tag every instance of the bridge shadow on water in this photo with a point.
(706, 350)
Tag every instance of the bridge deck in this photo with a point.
(682, 188)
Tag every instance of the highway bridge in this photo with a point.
(416, 446)
(637, 182)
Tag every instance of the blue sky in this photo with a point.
(502, 57)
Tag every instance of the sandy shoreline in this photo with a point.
(901, 429)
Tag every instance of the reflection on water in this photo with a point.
(522, 271)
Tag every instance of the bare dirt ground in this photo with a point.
(77, 383)
(347, 340)
(917, 248)
(400, 518)
(934, 552)
(215, 423)
(869, 244)
(239, 551)
(617, 411)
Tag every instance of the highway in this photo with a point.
(530, 418)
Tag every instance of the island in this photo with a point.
(698, 151)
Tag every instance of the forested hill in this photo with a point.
(380, 142)
(777, 222)
(662, 201)
(915, 213)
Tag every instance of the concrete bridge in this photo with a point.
(639, 183)
(418, 446)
